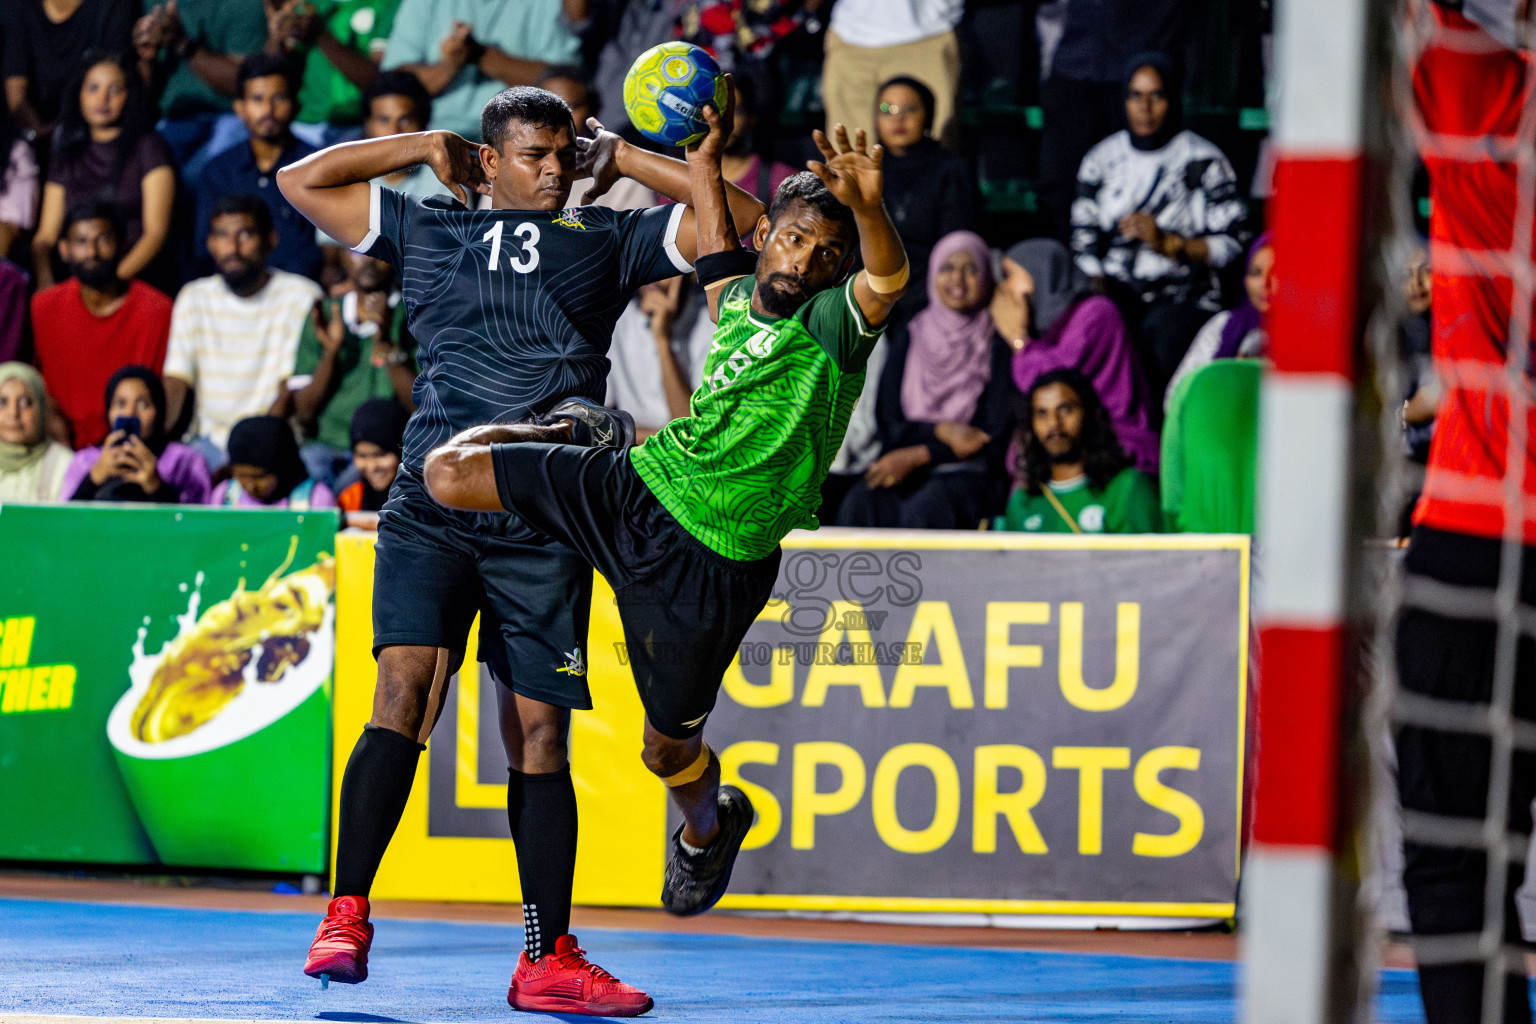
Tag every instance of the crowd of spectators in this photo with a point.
(179, 333)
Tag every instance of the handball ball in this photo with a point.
(665, 89)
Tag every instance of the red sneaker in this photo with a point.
(566, 982)
(340, 950)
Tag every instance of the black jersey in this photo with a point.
(512, 310)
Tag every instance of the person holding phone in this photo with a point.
(135, 462)
(352, 348)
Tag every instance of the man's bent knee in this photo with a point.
(676, 762)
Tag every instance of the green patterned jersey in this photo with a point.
(746, 465)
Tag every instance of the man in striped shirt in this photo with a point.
(234, 334)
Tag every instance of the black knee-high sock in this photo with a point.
(542, 812)
(374, 789)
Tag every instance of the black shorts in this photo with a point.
(685, 608)
(1451, 657)
(435, 568)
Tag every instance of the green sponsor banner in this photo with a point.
(165, 683)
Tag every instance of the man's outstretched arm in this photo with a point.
(330, 188)
(608, 158)
(716, 231)
(852, 174)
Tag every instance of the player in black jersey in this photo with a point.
(512, 308)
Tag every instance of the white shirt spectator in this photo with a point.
(237, 352)
(878, 23)
(634, 382)
(1190, 190)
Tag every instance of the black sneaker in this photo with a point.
(593, 425)
(695, 882)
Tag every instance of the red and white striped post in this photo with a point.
(1295, 909)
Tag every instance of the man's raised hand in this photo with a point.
(456, 162)
(711, 146)
(597, 158)
(852, 170)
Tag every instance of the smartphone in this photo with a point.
(129, 425)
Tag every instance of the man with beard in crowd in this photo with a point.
(89, 326)
(265, 92)
(234, 334)
(1074, 477)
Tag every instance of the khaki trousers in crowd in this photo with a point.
(851, 78)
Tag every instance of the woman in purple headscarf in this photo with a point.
(1236, 333)
(943, 408)
(1046, 309)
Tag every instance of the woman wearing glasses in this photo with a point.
(928, 190)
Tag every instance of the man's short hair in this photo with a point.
(96, 209)
(243, 203)
(535, 107)
(400, 83)
(260, 65)
(806, 188)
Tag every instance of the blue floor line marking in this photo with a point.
(108, 960)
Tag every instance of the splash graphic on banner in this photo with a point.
(210, 751)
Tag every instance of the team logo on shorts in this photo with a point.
(575, 664)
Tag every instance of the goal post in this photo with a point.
(1301, 960)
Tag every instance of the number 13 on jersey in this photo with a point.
(526, 259)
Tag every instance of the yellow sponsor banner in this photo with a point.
(988, 794)
(620, 851)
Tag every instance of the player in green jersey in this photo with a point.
(686, 527)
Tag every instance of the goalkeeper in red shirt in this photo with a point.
(1474, 116)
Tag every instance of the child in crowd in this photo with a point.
(266, 471)
(378, 433)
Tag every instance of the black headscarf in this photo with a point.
(155, 439)
(380, 421)
(267, 443)
(1173, 86)
(1058, 281)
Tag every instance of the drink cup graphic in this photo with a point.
(221, 736)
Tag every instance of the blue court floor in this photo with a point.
(97, 960)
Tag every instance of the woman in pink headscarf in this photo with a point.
(943, 407)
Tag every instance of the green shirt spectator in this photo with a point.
(466, 51)
(1073, 475)
(366, 365)
(326, 95)
(1210, 448)
(217, 27)
(1128, 505)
